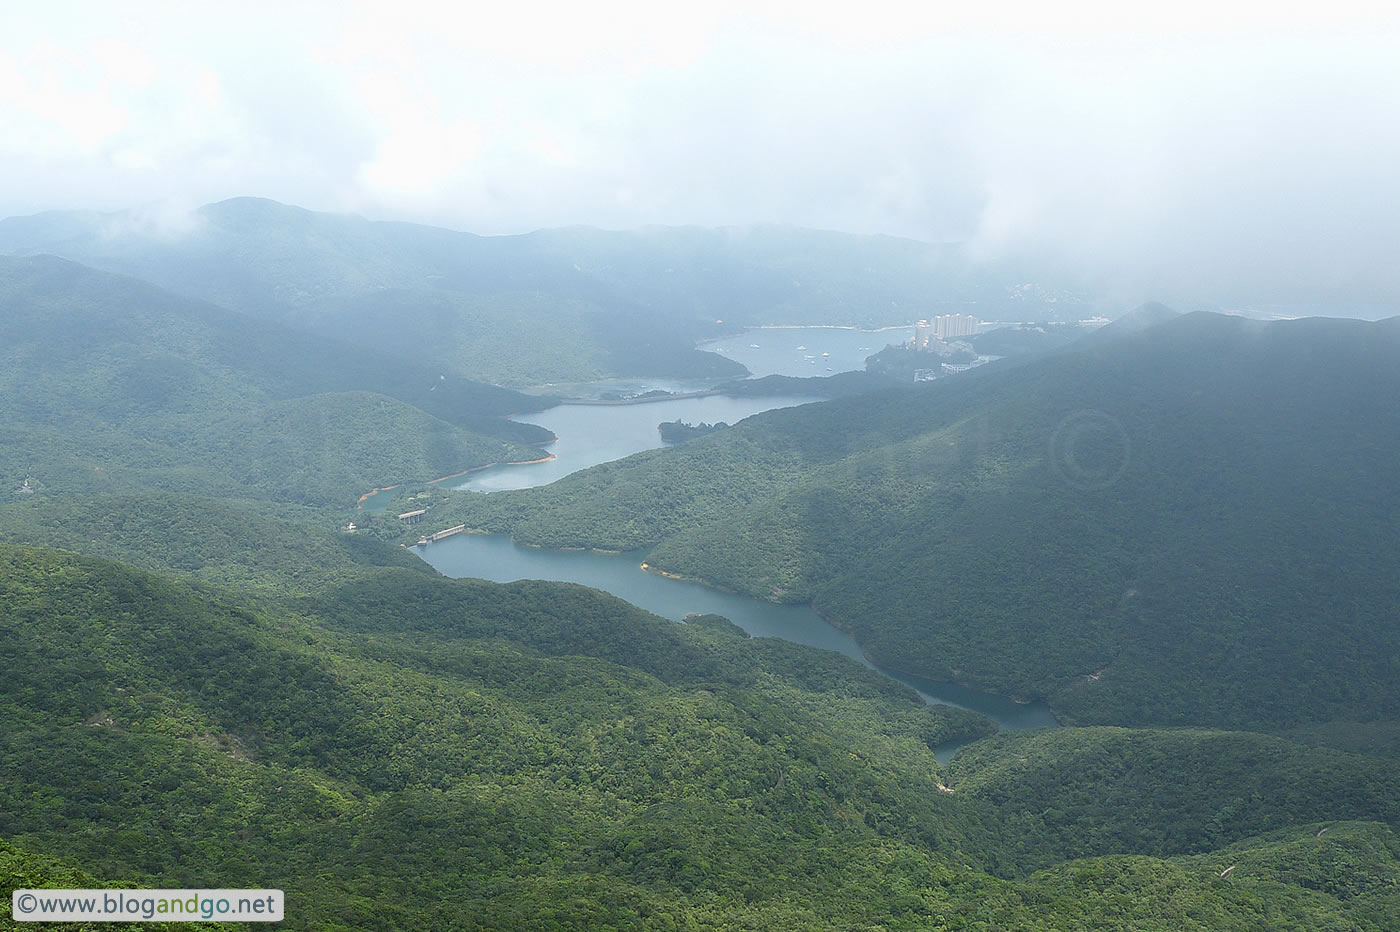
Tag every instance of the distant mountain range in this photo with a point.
(557, 305)
(112, 384)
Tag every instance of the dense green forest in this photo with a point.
(1138, 531)
(681, 431)
(826, 386)
(255, 545)
(1182, 525)
(115, 386)
(404, 751)
(24, 869)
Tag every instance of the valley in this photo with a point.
(1101, 634)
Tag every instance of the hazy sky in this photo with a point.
(1207, 141)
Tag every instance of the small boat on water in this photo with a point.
(826, 354)
(753, 346)
(802, 347)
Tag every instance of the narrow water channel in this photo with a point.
(497, 558)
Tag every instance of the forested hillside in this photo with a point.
(413, 752)
(208, 680)
(500, 309)
(551, 306)
(1190, 523)
(253, 545)
(173, 715)
(114, 385)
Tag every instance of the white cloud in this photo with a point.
(1193, 137)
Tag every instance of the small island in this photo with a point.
(680, 431)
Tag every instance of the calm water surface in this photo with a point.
(795, 351)
(805, 351)
(589, 434)
(593, 434)
(497, 558)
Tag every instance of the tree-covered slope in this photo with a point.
(159, 731)
(253, 545)
(1296, 880)
(22, 869)
(1193, 523)
(57, 310)
(112, 384)
(1068, 793)
(499, 308)
(410, 752)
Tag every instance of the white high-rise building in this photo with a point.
(952, 326)
(944, 327)
(921, 334)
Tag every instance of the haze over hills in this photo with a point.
(298, 266)
(556, 305)
(1183, 523)
(116, 385)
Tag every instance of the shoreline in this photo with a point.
(655, 399)
(455, 475)
(830, 327)
(884, 669)
(389, 488)
(655, 571)
(963, 685)
(876, 664)
(373, 492)
(954, 681)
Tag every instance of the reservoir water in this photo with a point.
(795, 351)
(497, 558)
(593, 434)
(805, 351)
